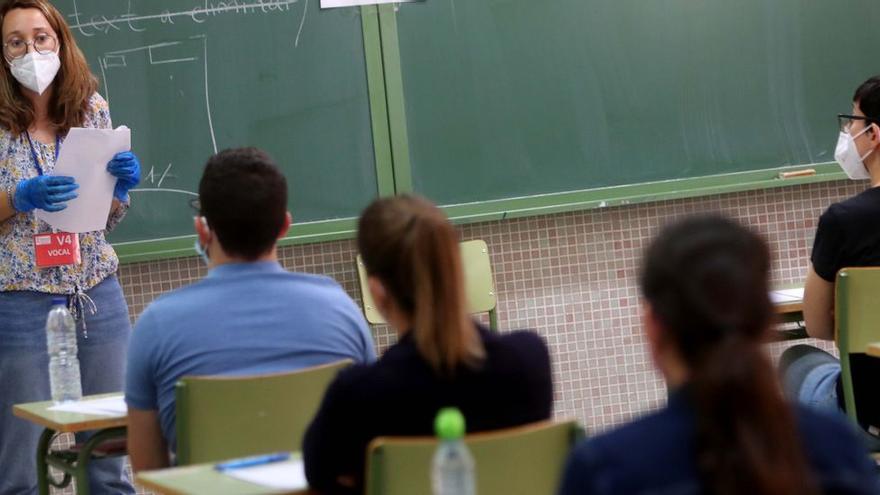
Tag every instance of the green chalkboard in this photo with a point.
(193, 77)
(518, 98)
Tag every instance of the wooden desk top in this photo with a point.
(200, 479)
(874, 349)
(67, 422)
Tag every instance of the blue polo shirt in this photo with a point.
(243, 318)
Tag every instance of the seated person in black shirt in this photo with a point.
(848, 235)
(442, 359)
(727, 429)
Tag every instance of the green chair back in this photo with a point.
(479, 285)
(857, 322)
(223, 417)
(527, 460)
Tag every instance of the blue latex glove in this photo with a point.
(127, 170)
(46, 192)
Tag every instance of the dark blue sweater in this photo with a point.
(400, 395)
(656, 455)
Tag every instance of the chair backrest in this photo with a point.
(222, 417)
(857, 322)
(478, 283)
(525, 460)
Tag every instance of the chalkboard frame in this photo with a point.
(394, 170)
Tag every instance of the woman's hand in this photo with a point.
(46, 192)
(127, 170)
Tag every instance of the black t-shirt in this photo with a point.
(848, 235)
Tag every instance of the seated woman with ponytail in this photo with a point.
(727, 429)
(442, 358)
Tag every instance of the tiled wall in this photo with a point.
(573, 278)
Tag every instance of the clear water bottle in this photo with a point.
(64, 377)
(453, 467)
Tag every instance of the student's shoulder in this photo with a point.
(310, 284)
(824, 432)
(867, 201)
(523, 343)
(171, 304)
(624, 459)
(837, 452)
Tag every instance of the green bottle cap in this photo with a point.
(449, 424)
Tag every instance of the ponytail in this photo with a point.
(706, 280)
(746, 436)
(409, 245)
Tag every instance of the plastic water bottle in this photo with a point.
(453, 466)
(64, 377)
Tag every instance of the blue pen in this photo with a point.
(252, 461)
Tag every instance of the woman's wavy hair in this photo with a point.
(73, 86)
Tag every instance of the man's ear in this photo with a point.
(874, 134)
(202, 230)
(285, 227)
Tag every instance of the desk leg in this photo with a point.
(42, 466)
(85, 455)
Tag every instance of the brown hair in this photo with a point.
(73, 86)
(706, 279)
(409, 245)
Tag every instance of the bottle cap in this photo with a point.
(449, 424)
(59, 301)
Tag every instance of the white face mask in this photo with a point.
(847, 156)
(36, 71)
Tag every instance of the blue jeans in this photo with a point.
(810, 376)
(24, 377)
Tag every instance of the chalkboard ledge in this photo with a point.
(544, 204)
(608, 197)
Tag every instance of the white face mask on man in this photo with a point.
(847, 156)
(35, 70)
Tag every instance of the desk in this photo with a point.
(789, 306)
(74, 464)
(200, 479)
(874, 349)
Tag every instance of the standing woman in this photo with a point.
(45, 89)
(727, 430)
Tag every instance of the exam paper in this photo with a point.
(285, 475)
(84, 156)
(329, 4)
(106, 406)
(787, 295)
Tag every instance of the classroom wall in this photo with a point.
(573, 277)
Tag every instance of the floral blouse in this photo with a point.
(18, 269)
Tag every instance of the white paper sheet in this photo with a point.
(286, 475)
(783, 296)
(106, 406)
(84, 156)
(329, 4)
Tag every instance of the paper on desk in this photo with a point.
(787, 295)
(286, 475)
(105, 406)
(84, 156)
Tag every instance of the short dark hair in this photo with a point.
(868, 97)
(243, 196)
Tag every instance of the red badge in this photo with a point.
(57, 249)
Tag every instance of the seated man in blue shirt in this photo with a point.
(248, 316)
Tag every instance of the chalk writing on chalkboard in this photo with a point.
(180, 68)
(91, 24)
